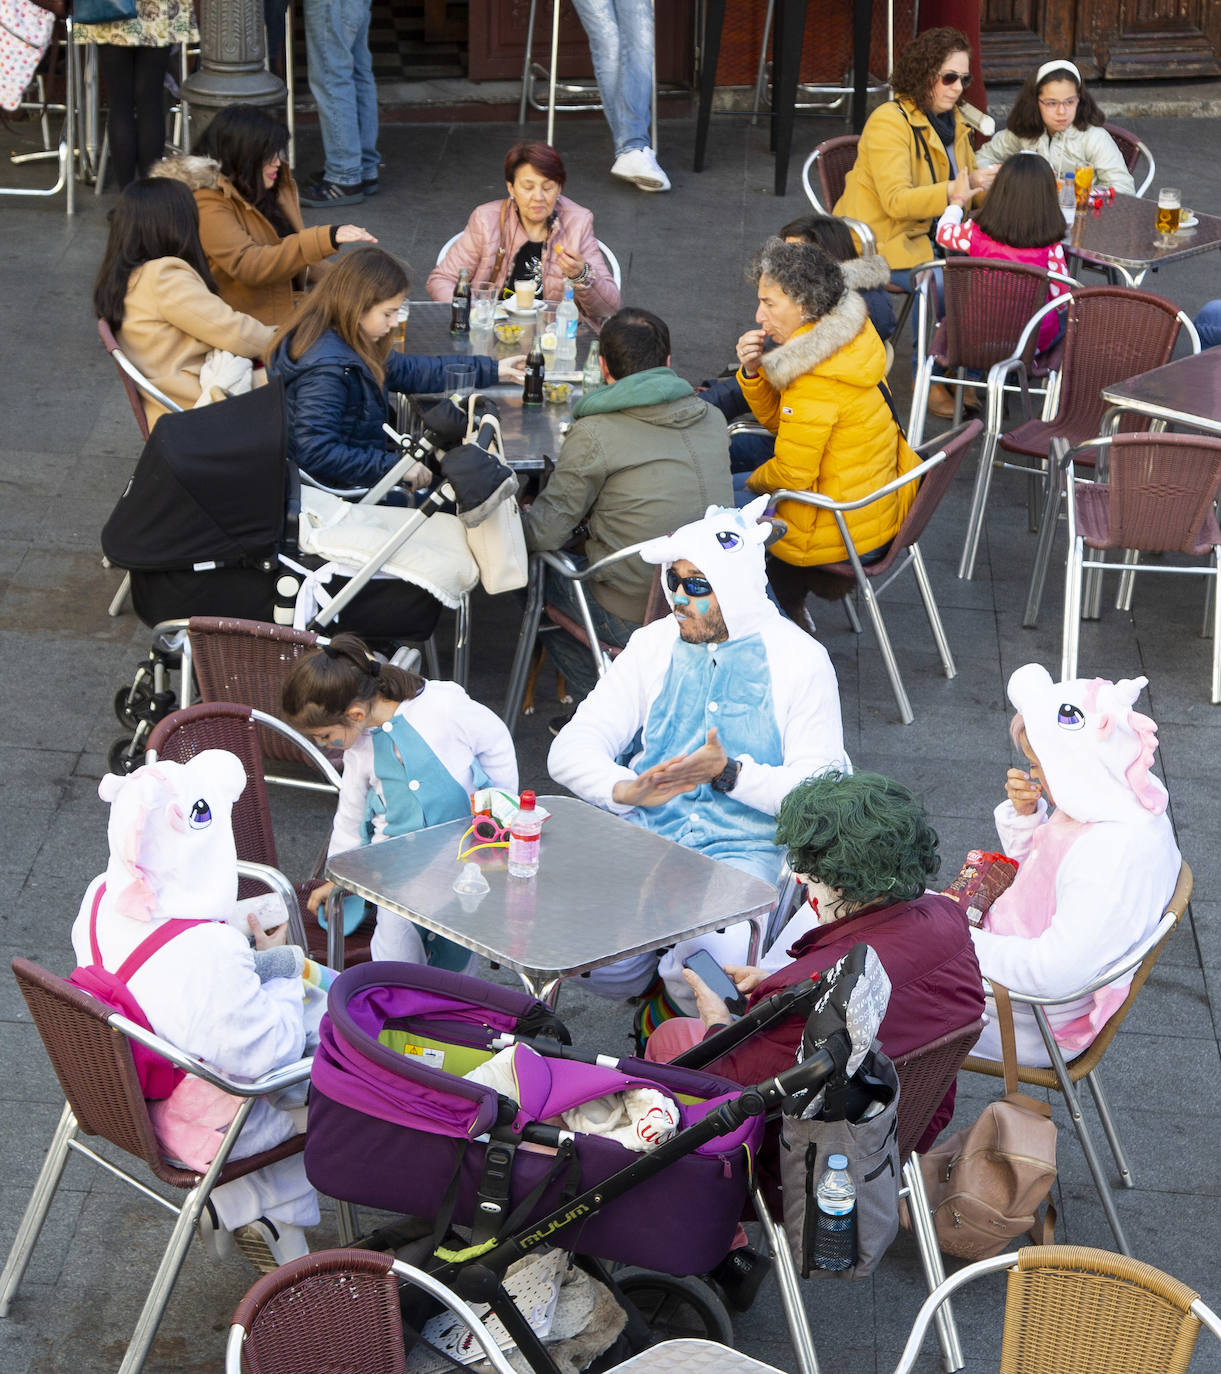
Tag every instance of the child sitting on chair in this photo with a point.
(414, 751)
(205, 990)
(1095, 875)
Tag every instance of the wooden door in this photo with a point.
(498, 40)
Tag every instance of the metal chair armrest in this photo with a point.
(814, 498)
(307, 746)
(748, 427)
(277, 1079)
(1116, 970)
(564, 565)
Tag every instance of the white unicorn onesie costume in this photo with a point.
(1095, 876)
(769, 689)
(172, 855)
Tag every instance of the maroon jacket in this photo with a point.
(935, 986)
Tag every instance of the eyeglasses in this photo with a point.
(1070, 104)
(962, 79)
(693, 586)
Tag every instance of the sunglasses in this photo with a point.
(962, 79)
(485, 834)
(693, 586)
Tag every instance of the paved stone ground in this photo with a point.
(66, 448)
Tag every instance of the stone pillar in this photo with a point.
(233, 69)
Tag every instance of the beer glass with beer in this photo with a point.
(1169, 207)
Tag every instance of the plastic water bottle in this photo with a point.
(524, 840)
(566, 333)
(835, 1225)
(591, 378)
(1068, 198)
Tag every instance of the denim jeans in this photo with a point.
(620, 34)
(341, 82)
(570, 656)
(1208, 324)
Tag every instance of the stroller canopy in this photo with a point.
(208, 491)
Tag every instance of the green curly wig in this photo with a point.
(863, 834)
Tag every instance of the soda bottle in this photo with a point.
(592, 376)
(524, 840)
(460, 310)
(566, 333)
(532, 387)
(835, 1224)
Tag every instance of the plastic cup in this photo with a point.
(459, 379)
(525, 294)
(483, 306)
(1169, 208)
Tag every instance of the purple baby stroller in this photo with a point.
(394, 1125)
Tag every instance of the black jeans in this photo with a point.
(135, 94)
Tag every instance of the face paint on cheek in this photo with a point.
(702, 606)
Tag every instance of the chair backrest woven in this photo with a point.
(836, 158)
(134, 398)
(1111, 333)
(987, 305)
(1162, 488)
(1069, 1309)
(246, 661)
(1127, 143)
(94, 1065)
(933, 487)
(336, 1309)
(925, 1076)
(1089, 1057)
(226, 725)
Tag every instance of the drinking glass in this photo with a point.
(1169, 207)
(1084, 180)
(545, 324)
(525, 294)
(459, 379)
(483, 306)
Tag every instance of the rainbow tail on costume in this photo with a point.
(654, 1007)
(318, 975)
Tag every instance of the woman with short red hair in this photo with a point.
(534, 233)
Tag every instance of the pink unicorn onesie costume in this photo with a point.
(1095, 876)
(172, 855)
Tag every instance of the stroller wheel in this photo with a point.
(121, 759)
(129, 704)
(676, 1308)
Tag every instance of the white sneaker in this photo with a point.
(640, 167)
(267, 1246)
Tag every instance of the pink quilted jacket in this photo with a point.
(478, 243)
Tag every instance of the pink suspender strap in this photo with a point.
(145, 949)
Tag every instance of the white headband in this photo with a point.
(1063, 65)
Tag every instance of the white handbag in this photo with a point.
(25, 34)
(498, 544)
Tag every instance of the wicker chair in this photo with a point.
(337, 1309)
(1111, 333)
(1064, 1075)
(987, 303)
(934, 474)
(1069, 1309)
(87, 1044)
(241, 730)
(1132, 149)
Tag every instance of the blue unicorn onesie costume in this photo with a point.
(419, 769)
(768, 688)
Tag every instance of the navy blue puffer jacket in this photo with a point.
(336, 410)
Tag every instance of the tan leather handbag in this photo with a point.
(987, 1183)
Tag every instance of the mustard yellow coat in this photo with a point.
(818, 393)
(891, 187)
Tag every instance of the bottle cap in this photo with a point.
(527, 802)
(837, 1161)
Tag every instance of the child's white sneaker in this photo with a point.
(267, 1245)
(215, 1239)
(640, 166)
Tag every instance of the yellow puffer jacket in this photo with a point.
(818, 393)
(891, 187)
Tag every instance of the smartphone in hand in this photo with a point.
(714, 976)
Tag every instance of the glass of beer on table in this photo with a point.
(1169, 207)
(1084, 180)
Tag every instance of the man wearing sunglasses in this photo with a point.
(644, 455)
(705, 722)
